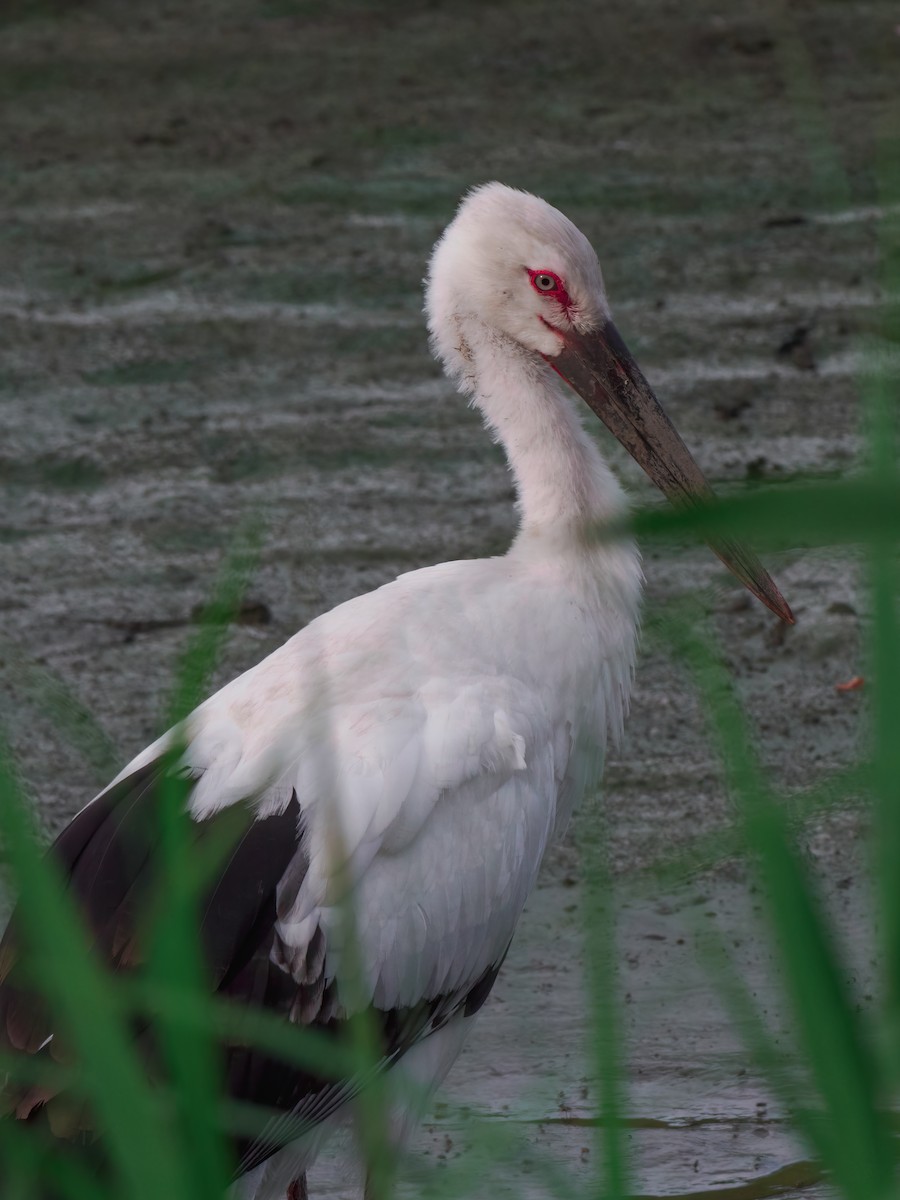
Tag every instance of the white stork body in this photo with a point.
(446, 739)
(413, 751)
(443, 726)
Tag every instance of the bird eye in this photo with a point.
(549, 284)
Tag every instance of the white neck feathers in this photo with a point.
(562, 481)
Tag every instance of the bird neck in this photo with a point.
(563, 484)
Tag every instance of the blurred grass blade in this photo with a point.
(309, 1049)
(884, 674)
(137, 1137)
(881, 403)
(176, 960)
(362, 1040)
(31, 1154)
(780, 1071)
(830, 187)
(55, 701)
(606, 1032)
(495, 1150)
(823, 514)
(30, 1070)
(842, 788)
(858, 1146)
(205, 647)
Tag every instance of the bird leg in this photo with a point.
(298, 1190)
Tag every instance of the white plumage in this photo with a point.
(437, 732)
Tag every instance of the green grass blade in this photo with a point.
(822, 514)
(491, 1166)
(838, 1056)
(175, 958)
(30, 1154)
(55, 701)
(606, 1027)
(205, 648)
(829, 185)
(841, 789)
(781, 1073)
(138, 1138)
(362, 1037)
(884, 634)
(234, 1022)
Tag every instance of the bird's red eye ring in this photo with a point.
(546, 282)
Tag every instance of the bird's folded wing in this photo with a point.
(110, 856)
(443, 817)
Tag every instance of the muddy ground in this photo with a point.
(214, 219)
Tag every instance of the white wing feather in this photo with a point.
(427, 779)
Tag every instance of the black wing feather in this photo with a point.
(108, 853)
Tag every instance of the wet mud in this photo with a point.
(213, 227)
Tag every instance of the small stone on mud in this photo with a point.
(250, 612)
(797, 347)
(254, 612)
(852, 685)
(739, 603)
(207, 235)
(784, 220)
(730, 410)
(776, 635)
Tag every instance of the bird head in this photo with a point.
(510, 269)
(515, 265)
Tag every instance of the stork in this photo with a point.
(413, 752)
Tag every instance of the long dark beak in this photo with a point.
(600, 368)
